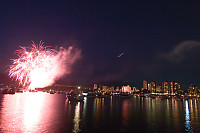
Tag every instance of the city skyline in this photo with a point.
(126, 41)
(153, 86)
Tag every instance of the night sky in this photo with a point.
(159, 41)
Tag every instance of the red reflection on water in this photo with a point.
(125, 115)
(30, 112)
(22, 112)
(11, 114)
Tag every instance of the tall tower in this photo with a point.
(144, 85)
(172, 87)
(95, 86)
(165, 87)
(152, 86)
(175, 87)
(193, 89)
(158, 88)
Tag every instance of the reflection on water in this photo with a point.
(188, 126)
(77, 118)
(29, 112)
(21, 113)
(43, 112)
(125, 115)
(32, 110)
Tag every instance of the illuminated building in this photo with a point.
(172, 88)
(99, 89)
(175, 87)
(193, 89)
(134, 89)
(152, 86)
(104, 88)
(158, 88)
(111, 89)
(137, 90)
(95, 86)
(126, 88)
(117, 90)
(165, 87)
(144, 85)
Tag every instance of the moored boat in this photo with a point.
(91, 94)
(19, 91)
(163, 97)
(101, 95)
(51, 92)
(117, 94)
(8, 91)
(33, 90)
(125, 94)
(75, 96)
(152, 96)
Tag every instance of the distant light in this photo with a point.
(120, 55)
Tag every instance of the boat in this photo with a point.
(107, 94)
(152, 96)
(8, 91)
(163, 97)
(117, 94)
(11, 91)
(91, 94)
(101, 95)
(198, 98)
(125, 94)
(176, 98)
(142, 95)
(19, 91)
(51, 92)
(33, 90)
(60, 92)
(75, 96)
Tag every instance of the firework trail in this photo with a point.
(38, 66)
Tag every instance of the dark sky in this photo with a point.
(160, 41)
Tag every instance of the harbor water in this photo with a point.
(44, 112)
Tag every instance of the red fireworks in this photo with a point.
(38, 66)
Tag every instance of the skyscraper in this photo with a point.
(144, 85)
(152, 86)
(175, 87)
(158, 88)
(165, 87)
(193, 89)
(95, 86)
(126, 88)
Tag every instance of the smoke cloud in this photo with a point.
(180, 51)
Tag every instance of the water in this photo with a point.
(43, 112)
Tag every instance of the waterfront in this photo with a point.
(44, 112)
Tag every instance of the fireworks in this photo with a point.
(38, 66)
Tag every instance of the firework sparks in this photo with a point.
(38, 66)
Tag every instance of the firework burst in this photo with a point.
(38, 66)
